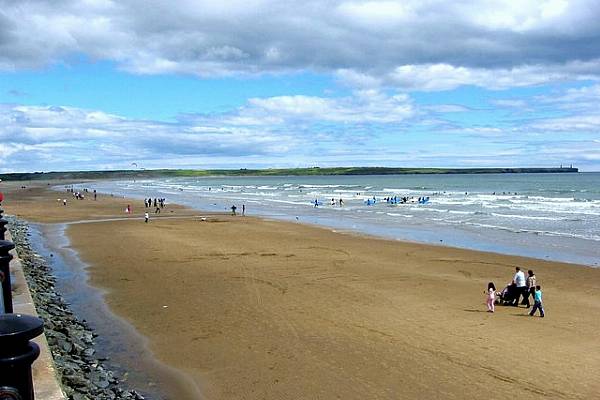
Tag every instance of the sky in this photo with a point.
(102, 84)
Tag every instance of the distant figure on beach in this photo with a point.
(341, 202)
(233, 208)
(95, 194)
(520, 285)
(146, 217)
(490, 296)
(537, 304)
(530, 283)
(157, 210)
(243, 209)
(64, 202)
(128, 209)
(316, 203)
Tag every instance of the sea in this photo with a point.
(546, 216)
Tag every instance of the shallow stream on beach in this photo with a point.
(117, 340)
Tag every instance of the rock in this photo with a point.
(65, 346)
(99, 379)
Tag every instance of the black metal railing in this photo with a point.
(17, 352)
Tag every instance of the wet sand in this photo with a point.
(126, 350)
(257, 309)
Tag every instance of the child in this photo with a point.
(146, 217)
(491, 296)
(537, 302)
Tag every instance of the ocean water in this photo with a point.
(548, 216)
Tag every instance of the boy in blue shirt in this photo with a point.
(537, 302)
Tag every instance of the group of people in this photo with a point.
(316, 203)
(78, 195)
(234, 208)
(158, 204)
(406, 200)
(521, 288)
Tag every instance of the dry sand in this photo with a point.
(259, 309)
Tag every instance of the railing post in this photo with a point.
(5, 257)
(3, 223)
(17, 354)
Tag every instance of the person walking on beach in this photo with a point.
(491, 296)
(530, 291)
(520, 286)
(233, 208)
(537, 304)
(146, 217)
(243, 210)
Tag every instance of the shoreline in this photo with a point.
(520, 244)
(369, 235)
(267, 309)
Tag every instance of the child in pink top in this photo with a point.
(491, 296)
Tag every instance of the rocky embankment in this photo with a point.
(83, 375)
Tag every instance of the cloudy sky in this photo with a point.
(101, 84)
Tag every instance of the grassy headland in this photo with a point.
(118, 174)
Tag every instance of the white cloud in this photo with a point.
(585, 123)
(511, 103)
(367, 128)
(366, 106)
(413, 44)
(376, 14)
(521, 16)
(436, 77)
(68, 137)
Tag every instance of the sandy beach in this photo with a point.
(260, 309)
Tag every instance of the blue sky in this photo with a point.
(98, 84)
